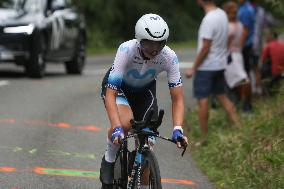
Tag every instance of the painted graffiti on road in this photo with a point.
(83, 174)
(34, 151)
(62, 125)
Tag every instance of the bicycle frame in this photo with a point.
(142, 136)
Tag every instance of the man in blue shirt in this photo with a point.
(246, 15)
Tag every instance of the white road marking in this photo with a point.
(185, 64)
(95, 72)
(182, 65)
(4, 82)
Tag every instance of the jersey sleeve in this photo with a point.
(118, 67)
(207, 29)
(173, 73)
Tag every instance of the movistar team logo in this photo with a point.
(135, 74)
(155, 18)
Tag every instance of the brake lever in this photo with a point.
(184, 145)
(184, 149)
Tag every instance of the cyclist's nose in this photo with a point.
(154, 53)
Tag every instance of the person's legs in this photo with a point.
(203, 115)
(219, 89)
(230, 109)
(202, 88)
(245, 89)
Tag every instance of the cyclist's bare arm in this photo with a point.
(177, 105)
(111, 107)
(178, 111)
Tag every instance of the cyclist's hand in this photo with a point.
(117, 135)
(178, 137)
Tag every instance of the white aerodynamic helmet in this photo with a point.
(151, 27)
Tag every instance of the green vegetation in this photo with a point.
(111, 22)
(247, 158)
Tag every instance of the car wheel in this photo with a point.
(35, 67)
(76, 65)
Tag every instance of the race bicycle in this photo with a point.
(133, 166)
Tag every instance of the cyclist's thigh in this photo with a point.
(142, 102)
(125, 115)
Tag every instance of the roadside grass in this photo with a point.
(249, 158)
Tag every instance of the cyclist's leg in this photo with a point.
(142, 102)
(107, 166)
(108, 160)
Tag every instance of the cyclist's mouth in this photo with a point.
(154, 53)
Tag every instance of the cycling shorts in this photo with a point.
(140, 101)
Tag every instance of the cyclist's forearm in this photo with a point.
(111, 108)
(178, 113)
(177, 106)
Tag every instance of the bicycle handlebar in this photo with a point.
(138, 126)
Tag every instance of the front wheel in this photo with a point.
(151, 170)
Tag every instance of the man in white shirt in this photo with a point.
(210, 63)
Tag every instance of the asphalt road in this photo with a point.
(53, 131)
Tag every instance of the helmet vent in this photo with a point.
(156, 37)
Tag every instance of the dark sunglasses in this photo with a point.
(150, 46)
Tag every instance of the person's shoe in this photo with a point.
(247, 108)
(106, 174)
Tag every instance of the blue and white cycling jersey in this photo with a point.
(131, 69)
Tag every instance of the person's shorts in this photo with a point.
(206, 83)
(140, 101)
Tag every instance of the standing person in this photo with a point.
(262, 20)
(246, 15)
(129, 87)
(210, 63)
(234, 40)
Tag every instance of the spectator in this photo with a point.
(210, 63)
(246, 15)
(272, 59)
(235, 50)
(263, 19)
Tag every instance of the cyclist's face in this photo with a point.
(152, 48)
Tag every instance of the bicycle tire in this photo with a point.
(120, 171)
(151, 161)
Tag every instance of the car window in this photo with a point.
(58, 4)
(12, 4)
(33, 5)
